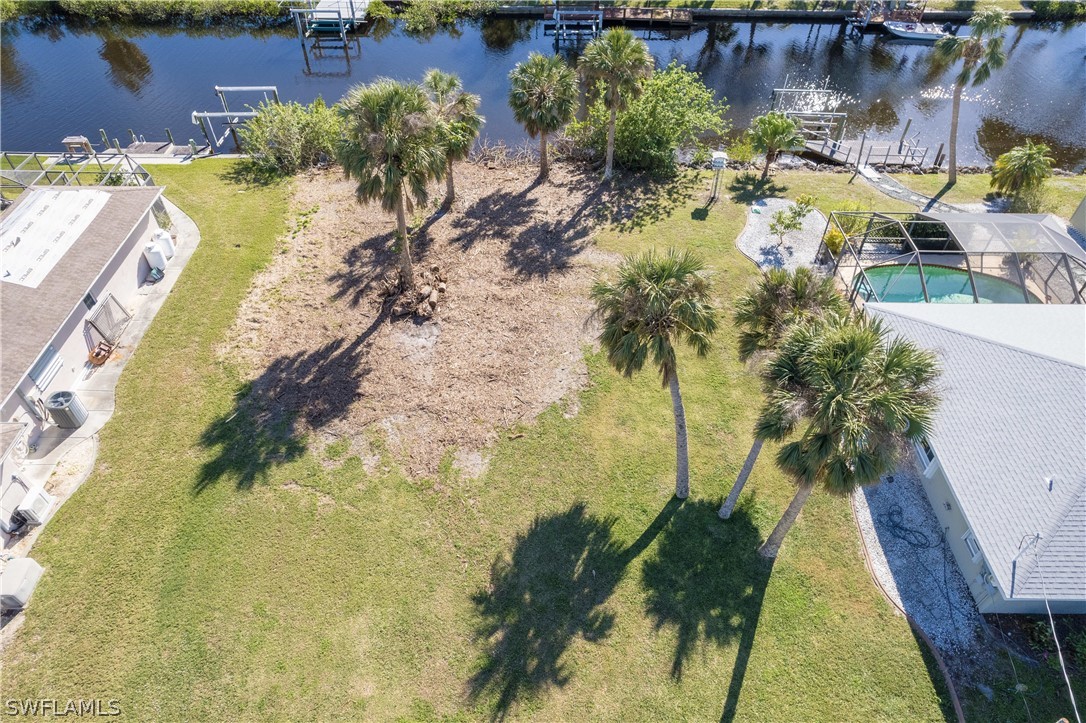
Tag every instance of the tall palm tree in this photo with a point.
(392, 148)
(543, 96)
(657, 302)
(764, 314)
(862, 396)
(459, 121)
(613, 65)
(772, 133)
(1022, 168)
(981, 52)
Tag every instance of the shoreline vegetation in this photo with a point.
(425, 12)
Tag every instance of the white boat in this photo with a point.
(915, 31)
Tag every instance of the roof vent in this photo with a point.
(1049, 481)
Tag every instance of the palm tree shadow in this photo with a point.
(550, 590)
(262, 429)
(942, 192)
(747, 188)
(707, 583)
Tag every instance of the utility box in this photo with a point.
(35, 506)
(17, 583)
(66, 410)
(720, 159)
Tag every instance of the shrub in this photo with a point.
(675, 113)
(852, 225)
(288, 137)
(834, 240)
(426, 17)
(791, 218)
(165, 11)
(1031, 200)
(1058, 10)
(1022, 168)
(741, 150)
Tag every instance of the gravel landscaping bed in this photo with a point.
(760, 246)
(913, 564)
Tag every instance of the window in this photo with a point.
(924, 452)
(89, 301)
(46, 368)
(971, 543)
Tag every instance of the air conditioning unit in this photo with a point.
(35, 506)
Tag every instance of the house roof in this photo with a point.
(32, 316)
(1012, 417)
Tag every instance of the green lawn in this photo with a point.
(1065, 193)
(209, 570)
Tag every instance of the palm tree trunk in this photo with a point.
(407, 273)
(544, 167)
(768, 160)
(682, 460)
(450, 188)
(955, 108)
(772, 545)
(729, 504)
(610, 146)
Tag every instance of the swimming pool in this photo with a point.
(899, 283)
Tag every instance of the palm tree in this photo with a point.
(981, 52)
(543, 96)
(764, 314)
(459, 121)
(862, 395)
(392, 148)
(613, 65)
(657, 301)
(772, 133)
(1022, 168)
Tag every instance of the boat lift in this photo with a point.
(231, 119)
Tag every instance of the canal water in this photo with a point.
(60, 79)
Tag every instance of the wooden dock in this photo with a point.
(329, 15)
(862, 153)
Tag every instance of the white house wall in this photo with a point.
(122, 278)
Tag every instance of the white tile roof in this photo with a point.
(1011, 417)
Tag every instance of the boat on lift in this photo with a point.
(916, 30)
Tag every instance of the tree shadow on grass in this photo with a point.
(245, 172)
(551, 589)
(706, 584)
(636, 202)
(747, 188)
(262, 430)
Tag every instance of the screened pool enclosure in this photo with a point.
(957, 258)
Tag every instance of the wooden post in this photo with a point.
(939, 156)
(859, 157)
(117, 144)
(904, 133)
(105, 138)
(133, 134)
(169, 136)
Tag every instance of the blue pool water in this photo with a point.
(895, 283)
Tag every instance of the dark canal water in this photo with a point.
(57, 80)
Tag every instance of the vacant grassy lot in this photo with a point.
(564, 584)
(1065, 193)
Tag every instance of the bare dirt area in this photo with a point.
(325, 352)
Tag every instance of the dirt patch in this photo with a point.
(506, 342)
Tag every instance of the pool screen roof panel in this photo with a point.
(1008, 233)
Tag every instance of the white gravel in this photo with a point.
(914, 565)
(760, 246)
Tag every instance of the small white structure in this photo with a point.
(17, 583)
(73, 260)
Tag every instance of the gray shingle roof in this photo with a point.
(1009, 419)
